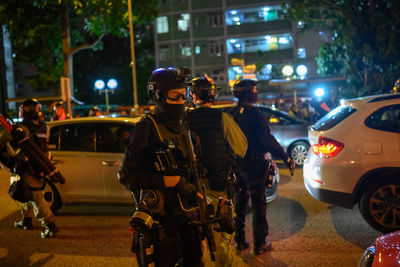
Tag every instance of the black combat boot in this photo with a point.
(25, 223)
(49, 230)
(258, 250)
(242, 245)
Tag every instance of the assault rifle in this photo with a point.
(206, 211)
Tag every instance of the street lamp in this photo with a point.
(112, 84)
(287, 71)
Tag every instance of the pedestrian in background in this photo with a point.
(32, 177)
(252, 168)
(220, 141)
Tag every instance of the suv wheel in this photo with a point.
(380, 206)
(52, 196)
(298, 152)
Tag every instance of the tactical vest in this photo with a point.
(215, 152)
(176, 142)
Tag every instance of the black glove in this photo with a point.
(291, 165)
(18, 133)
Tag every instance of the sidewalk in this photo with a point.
(9, 206)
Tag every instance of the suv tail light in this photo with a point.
(327, 148)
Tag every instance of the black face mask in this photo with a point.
(248, 97)
(174, 112)
(171, 112)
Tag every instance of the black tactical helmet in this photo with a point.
(204, 88)
(244, 90)
(30, 109)
(243, 86)
(164, 79)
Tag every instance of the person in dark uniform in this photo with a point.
(155, 137)
(251, 169)
(33, 177)
(221, 141)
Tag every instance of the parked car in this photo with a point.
(289, 131)
(355, 158)
(384, 252)
(88, 152)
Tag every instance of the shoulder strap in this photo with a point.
(155, 126)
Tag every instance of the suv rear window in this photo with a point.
(333, 118)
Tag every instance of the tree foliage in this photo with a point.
(365, 40)
(47, 33)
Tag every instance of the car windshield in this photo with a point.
(333, 118)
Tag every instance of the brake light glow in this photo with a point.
(327, 148)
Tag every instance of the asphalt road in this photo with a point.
(303, 231)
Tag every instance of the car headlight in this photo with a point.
(367, 257)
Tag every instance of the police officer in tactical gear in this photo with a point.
(221, 141)
(155, 171)
(251, 169)
(33, 125)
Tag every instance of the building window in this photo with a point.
(218, 75)
(252, 15)
(185, 49)
(301, 53)
(162, 24)
(215, 20)
(163, 52)
(216, 48)
(259, 43)
(183, 22)
(197, 50)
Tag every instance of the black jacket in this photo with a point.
(260, 140)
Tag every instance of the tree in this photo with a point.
(48, 33)
(365, 39)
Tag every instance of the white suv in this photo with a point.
(355, 158)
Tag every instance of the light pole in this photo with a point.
(133, 64)
(112, 84)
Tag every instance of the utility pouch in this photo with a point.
(270, 170)
(18, 190)
(224, 215)
(165, 162)
(151, 201)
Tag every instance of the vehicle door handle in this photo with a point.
(110, 163)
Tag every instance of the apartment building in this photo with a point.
(231, 39)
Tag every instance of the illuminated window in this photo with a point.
(162, 24)
(253, 15)
(301, 53)
(185, 49)
(259, 43)
(197, 50)
(183, 22)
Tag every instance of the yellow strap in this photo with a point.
(155, 125)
